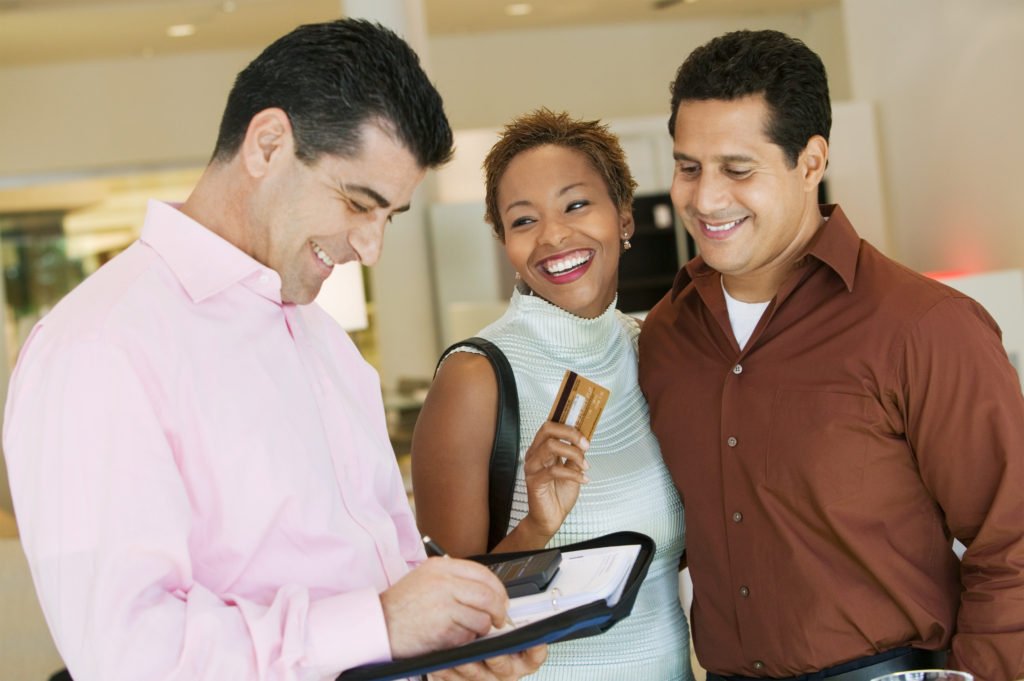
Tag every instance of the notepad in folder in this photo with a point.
(595, 587)
(585, 576)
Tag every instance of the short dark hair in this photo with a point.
(331, 79)
(784, 70)
(541, 127)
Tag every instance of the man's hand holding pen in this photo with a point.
(434, 549)
(441, 604)
(446, 602)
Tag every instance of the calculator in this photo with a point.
(528, 574)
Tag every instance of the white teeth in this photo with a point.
(565, 264)
(324, 258)
(722, 228)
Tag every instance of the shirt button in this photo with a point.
(738, 369)
(737, 517)
(744, 591)
(264, 278)
(732, 442)
(758, 665)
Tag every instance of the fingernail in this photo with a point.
(586, 478)
(584, 443)
(586, 465)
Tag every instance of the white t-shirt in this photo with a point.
(743, 316)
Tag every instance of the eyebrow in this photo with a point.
(373, 195)
(725, 158)
(561, 192)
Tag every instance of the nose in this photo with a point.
(368, 241)
(705, 195)
(554, 231)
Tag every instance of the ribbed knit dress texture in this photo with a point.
(629, 488)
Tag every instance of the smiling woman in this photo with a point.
(559, 197)
(564, 232)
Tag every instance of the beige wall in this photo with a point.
(164, 110)
(600, 71)
(945, 78)
(113, 114)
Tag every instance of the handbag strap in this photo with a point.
(501, 479)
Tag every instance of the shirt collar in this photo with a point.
(204, 262)
(836, 244)
(560, 328)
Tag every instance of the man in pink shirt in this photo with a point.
(198, 455)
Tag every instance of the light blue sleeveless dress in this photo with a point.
(629, 488)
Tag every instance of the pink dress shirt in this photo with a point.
(201, 474)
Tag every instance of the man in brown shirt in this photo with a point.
(832, 419)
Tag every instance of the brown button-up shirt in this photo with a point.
(825, 468)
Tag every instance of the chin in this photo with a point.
(304, 297)
(589, 310)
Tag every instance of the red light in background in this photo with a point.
(950, 274)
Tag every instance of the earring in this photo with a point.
(518, 277)
(626, 245)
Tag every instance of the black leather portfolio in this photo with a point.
(563, 617)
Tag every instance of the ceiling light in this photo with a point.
(181, 30)
(518, 9)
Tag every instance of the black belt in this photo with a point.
(862, 669)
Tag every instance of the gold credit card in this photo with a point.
(579, 403)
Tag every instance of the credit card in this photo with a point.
(579, 403)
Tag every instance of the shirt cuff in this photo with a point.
(347, 631)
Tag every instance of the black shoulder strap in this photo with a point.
(505, 450)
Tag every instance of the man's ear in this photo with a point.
(813, 161)
(268, 137)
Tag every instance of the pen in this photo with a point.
(434, 549)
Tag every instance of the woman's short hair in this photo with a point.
(543, 127)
